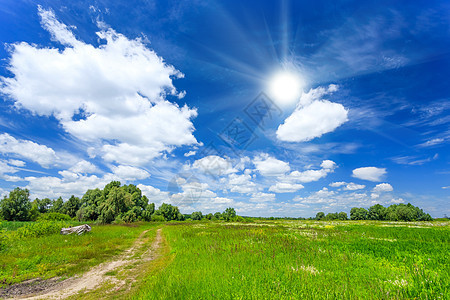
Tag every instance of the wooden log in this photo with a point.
(79, 230)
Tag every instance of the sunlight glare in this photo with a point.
(285, 88)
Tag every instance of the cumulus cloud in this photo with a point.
(369, 173)
(190, 153)
(113, 95)
(154, 195)
(353, 186)
(242, 184)
(313, 117)
(214, 165)
(383, 187)
(84, 167)
(29, 150)
(338, 184)
(285, 187)
(129, 173)
(270, 166)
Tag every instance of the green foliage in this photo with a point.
(17, 206)
(218, 215)
(395, 212)
(57, 205)
(358, 213)
(36, 229)
(157, 218)
(52, 216)
(71, 206)
(209, 216)
(320, 216)
(342, 216)
(169, 212)
(196, 215)
(43, 205)
(229, 214)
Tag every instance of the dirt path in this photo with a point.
(98, 276)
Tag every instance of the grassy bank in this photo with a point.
(303, 260)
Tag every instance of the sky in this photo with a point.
(275, 108)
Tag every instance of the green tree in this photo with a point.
(57, 205)
(218, 215)
(377, 212)
(148, 212)
(169, 212)
(229, 214)
(320, 216)
(210, 216)
(342, 216)
(17, 206)
(358, 213)
(196, 215)
(43, 205)
(71, 206)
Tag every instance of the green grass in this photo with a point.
(52, 255)
(302, 260)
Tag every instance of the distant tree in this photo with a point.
(210, 216)
(148, 212)
(342, 216)
(43, 205)
(377, 212)
(71, 206)
(196, 215)
(229, 214)
(320, 216)
(358, 213)
(169, 212)
(57, 205)
(17, 206)
(218, 215)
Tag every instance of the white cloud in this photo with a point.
(112, 96)
(154, 195)
(129, 173)
(369, 173)
(16, 163)
(190, 153)
(269, 166)
(262, 197)
(313, 117)
(432, 142)
(84, 167)
(285, 187)
(328, 164)
(353, 186)
(214, 165)
(32, 151)
(242, 184)
(383, 187)
(338, 184)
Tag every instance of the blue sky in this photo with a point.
(276, 108)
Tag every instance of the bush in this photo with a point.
(158, 218)
(36, 229)
(54, 217)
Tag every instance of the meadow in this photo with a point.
(264, 259)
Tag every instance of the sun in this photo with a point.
(285, 88)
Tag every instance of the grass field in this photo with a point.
(261, 260)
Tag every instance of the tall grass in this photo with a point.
(302, 260)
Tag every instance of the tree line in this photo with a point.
(117, 203)
(113, 203)
(395, 212)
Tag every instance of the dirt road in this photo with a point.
(94, 278)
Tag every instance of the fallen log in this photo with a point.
(79, 230)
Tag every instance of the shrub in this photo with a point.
(36, 229)
(54, 217)
(157, 218)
